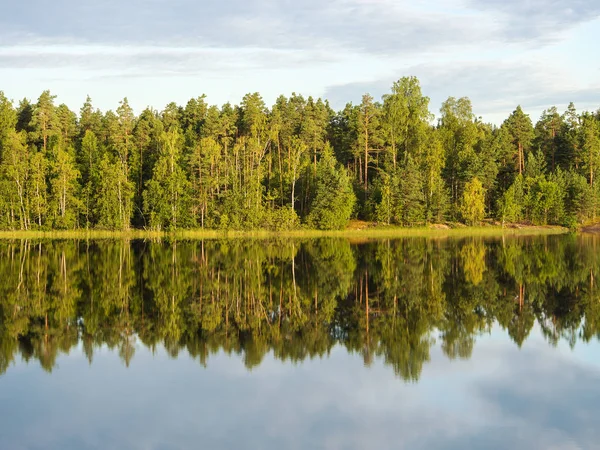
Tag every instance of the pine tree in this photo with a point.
(520, 128)
(44, 121)
(590, 145)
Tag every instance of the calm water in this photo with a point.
(412, 343)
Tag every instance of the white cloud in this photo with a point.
(498, 53)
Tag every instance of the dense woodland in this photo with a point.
(296, 164)
(393, 300)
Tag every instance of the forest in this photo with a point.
(392, 300)
(297, 164)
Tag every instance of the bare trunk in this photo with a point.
(64, 197)
(366, 154)
(293, 189)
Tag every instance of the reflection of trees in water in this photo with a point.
(388, 299)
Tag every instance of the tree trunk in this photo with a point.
(280, 170)
(293, 189)
(366, 153)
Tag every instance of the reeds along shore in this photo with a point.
(371, 233)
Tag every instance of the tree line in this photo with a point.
(387, 299)
(298, 163)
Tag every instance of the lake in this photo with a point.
(300, 344)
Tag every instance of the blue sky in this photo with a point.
(500, 53)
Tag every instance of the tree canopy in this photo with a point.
(297, 163)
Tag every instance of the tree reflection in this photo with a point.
(386, 299)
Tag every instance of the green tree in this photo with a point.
(405, 118)
(166, 195)
(64, 191)
(15, 168)
(89, 158)
(44, 120)
(37, 187)
(389, 209)
(369, 138)
(473, 202)
(590, 145)
(114, 194)
(511, 204)
(8, 119)
(459, 135)
(411, 194)
(436, 193)
(520, 129)
(334, 199)
(547, 137)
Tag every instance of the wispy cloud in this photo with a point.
(363, 25)
(370, 26)
(521, 20)
(153, 59)
(493, 87)
(497, 52)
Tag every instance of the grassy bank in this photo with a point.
(366, 233)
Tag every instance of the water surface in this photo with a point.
(328, 343)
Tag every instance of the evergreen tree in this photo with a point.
(547, 137)
(44, 121)
(590, 145)
(411, 194)
(520, 129)
(369, 138)
(334, 199)
(91, 173)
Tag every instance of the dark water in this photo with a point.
(413, 343)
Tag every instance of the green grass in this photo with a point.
(366, 233)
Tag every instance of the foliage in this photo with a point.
(473, 202)
(334, 198)
(294, 165)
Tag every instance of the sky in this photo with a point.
(499, 53)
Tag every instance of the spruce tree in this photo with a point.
(334, 199)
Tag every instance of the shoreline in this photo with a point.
(366, 233)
